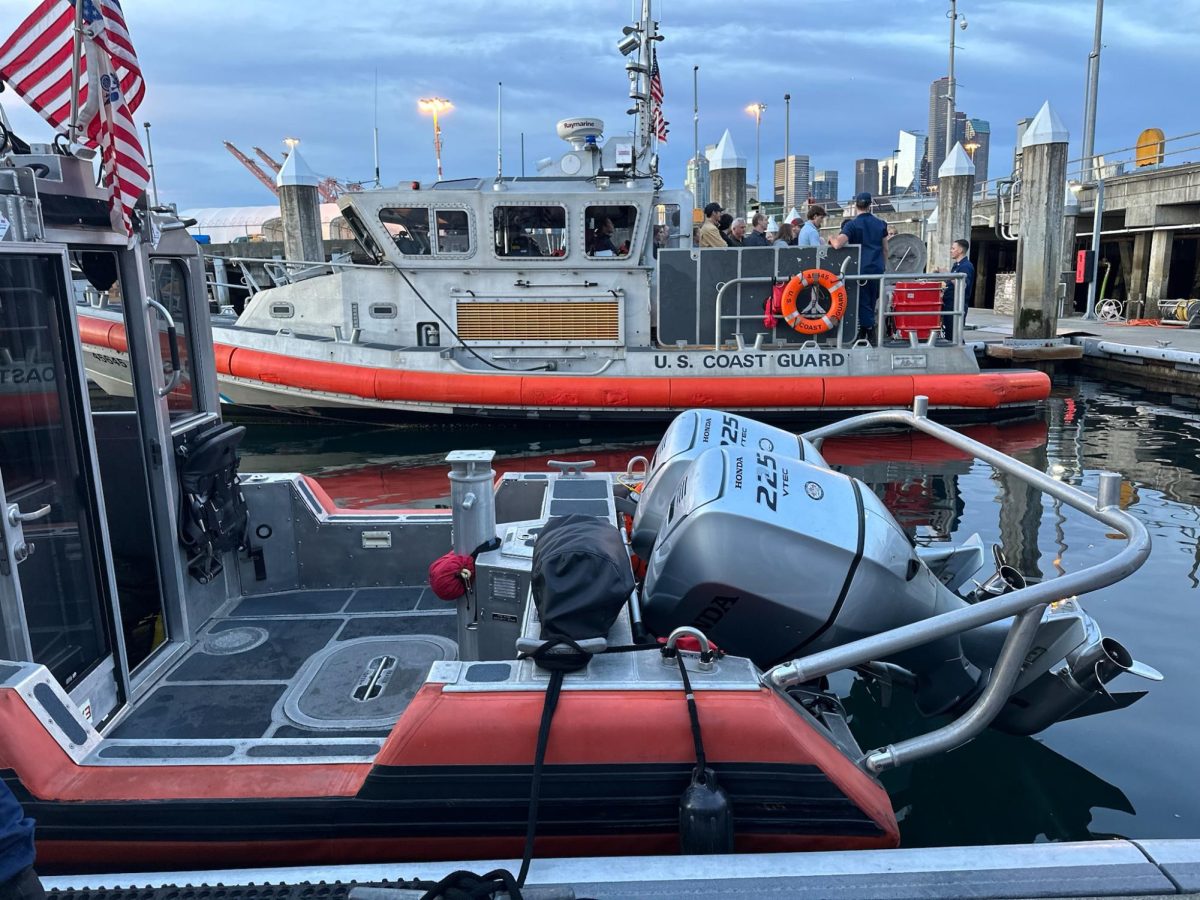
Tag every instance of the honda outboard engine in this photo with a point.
(771, 556)
(689, 435)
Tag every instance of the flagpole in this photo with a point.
(150, 161)
(76, 66)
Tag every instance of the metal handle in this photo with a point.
(16, 517)
(173, 343)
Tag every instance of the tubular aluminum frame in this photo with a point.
(988, 705)
(1103, 509)
(958, 279)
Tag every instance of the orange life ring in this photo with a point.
(827, 320)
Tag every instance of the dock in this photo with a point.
(1162, 357)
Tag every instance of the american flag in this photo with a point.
(656, 99)
(36, 62)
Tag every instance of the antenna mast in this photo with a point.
(499, 130)
(378, 183)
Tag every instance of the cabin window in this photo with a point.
(282, 310)
(668, 227)
(530, 231)
(453, 231)
(169, 286)
(362, 234)
(610, 230)
(382, 310)
(409, 228)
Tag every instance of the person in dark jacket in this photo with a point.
(757, 235)
(870, 232)
(18, 881)
(958, 253)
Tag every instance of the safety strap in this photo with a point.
(693, 716)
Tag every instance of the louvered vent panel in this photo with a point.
(587, 321)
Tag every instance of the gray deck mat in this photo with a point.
(198, 711)
(235, 683)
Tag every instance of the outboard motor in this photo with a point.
(772, 556)
(689, 435)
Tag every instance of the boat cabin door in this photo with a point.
(56, 585)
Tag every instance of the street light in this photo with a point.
(953, 16)
(436, 105)
(756, 110)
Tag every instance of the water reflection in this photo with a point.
(997, 789)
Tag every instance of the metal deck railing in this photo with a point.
(1026, 603)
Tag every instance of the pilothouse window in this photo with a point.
(409, 228)
(531, 231)
(453, 231)
(610, 231)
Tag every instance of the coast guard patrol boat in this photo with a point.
(576, 293)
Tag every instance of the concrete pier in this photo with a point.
(956, 189)
(727, 171)
(1039, 245)
(1160, 269)
(301, 208)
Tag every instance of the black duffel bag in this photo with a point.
(581, 578)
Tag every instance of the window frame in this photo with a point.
(633, 232)
(430, 231)
(531, 204)
(472, 231)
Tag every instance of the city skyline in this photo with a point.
(559, 60)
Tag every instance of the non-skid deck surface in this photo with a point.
(324, 663)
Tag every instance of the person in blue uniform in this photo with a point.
(18, 881)
(958, 252)
(871, 233)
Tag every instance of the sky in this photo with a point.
(257, 71)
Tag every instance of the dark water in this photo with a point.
(1129, 773)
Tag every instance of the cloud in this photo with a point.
(857, 72)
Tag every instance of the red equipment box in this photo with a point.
(917, 297)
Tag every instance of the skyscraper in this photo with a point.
(866, 176)
(978, 142)
(825, 185)
(939, 105)
(696, 181)
(885, 185)
(791, 180)
(911, 162)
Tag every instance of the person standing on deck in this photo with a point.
(757, 236)
(18, 881)
(871, 233)
(710, 231)
(810, 234)
(958, 252)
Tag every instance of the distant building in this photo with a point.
(866, 176)
(825, 185)
(911, 163)
(792, 180)
(977, 144)
(696, 181)
(885, 184)
(727, 175)
(939, 106)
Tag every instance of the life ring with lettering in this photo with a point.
(814, 319)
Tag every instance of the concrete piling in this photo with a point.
(300, 206)
(1039, 245)
(956, 189)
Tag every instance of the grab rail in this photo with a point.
(1103, 508)
(884, 310)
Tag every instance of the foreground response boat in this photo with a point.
(200, 668)
(575, 293)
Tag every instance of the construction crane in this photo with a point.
(253, 167)
(266, 157)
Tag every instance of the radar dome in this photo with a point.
(576, 131)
